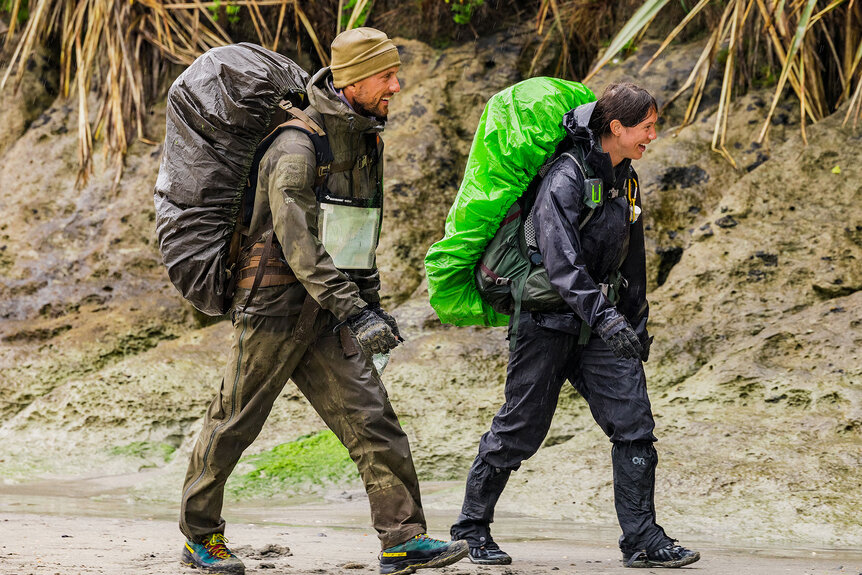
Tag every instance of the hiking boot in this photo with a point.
(672, 555)
(212, 556)
(489, 554)
(421, 552)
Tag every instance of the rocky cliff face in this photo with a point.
(755, 304)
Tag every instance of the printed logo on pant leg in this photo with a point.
(638, 461)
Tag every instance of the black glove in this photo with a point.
(373, 334)
(390, 321)
(646, 344)
(625, 344)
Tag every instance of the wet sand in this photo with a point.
(63, 533)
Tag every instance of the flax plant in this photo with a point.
(118, 48)
(815, 43)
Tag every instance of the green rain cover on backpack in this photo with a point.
(519, 130)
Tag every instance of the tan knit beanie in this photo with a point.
(360, 53)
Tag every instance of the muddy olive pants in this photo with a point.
(346, 392)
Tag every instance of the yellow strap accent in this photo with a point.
(402, 554)
(632, 194)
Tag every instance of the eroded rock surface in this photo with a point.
(755, 304)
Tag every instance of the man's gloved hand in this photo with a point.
(390, 321)
(646, 344)
(625, 344)
(372, 332)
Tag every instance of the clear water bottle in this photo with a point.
(380, 360)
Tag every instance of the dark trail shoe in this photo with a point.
(671, 556)
(421, 552)
(489, 554)
(212, 556)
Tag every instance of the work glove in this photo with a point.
(390, 321)
(372, 332)
(625, 343)
(646, 344)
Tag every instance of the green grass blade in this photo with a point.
(638, 22)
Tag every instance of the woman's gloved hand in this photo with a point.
(625, 343)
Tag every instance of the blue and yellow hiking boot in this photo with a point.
(672, 555)
(421, 552)
(212, 556)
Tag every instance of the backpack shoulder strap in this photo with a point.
(304, 123)
(323, 157)
(322, 151)
(584, 174)
(529, 229)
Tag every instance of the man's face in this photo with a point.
(370, 96)
(633, 141)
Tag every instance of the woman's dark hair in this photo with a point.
(625, 102)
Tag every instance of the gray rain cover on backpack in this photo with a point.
(218, 111)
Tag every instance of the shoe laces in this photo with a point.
(216, 545)
(425, 537)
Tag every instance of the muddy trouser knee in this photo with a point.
(345, 392)
(251, 383)
(536, 372)
(615, 390)
(349, 396)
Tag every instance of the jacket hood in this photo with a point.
(576, 123)
(324, 99)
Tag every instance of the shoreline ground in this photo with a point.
(56, 534)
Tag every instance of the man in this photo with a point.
(307, 293)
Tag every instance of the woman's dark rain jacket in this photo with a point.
(578, 260)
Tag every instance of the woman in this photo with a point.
(590, 240)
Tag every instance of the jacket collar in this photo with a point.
(322, 97)
(576, 123)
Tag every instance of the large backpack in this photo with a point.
(511, 276)
(518, 133)
(219, 111)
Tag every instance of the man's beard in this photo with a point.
(365, 111)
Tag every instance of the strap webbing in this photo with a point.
(304, 328)
(265, 254)
(518, 297)
(300, 115)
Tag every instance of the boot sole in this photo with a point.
(452, 556)
(668, 564)
(500, 561)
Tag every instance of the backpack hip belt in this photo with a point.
(275, 273)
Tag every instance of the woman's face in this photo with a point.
(632, 142)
